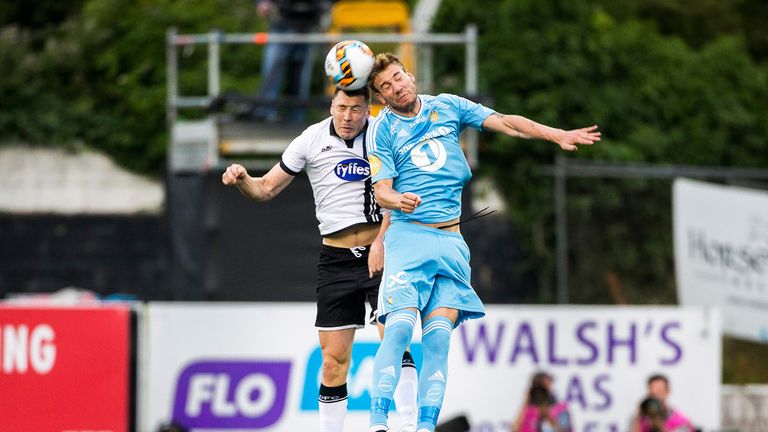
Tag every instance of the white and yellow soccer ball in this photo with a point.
(348, 64)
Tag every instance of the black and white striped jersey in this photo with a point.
(339, 173)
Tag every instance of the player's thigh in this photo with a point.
(450, 313)
(340, 298)
(452, 295)
(409, 267)
(339, 307)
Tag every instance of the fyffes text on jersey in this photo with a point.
(353, 169)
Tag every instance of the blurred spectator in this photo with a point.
(541, 412)
(653, 413)
(288, 60)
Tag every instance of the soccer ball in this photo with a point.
(348, 64)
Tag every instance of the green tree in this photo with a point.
(99, 77)
(656, 99)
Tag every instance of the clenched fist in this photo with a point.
(409, 201)
(233, 173)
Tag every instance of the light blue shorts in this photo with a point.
(427, 268)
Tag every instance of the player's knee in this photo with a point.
(334, 367)
(399, 329)
(436, 338)
(399, 335)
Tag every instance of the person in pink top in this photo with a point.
(655, 415)
(542, 412)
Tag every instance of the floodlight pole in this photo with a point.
(172, 76)
(561, 228)
(214, 63)
(470, 87)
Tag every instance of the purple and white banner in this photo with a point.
(600, 358)
(256, 367)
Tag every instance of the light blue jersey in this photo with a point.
(422, 154)
(425, 268)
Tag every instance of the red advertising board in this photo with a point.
(64, 369)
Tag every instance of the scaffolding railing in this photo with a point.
(214, 39)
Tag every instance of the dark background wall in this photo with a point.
(212, 244)
(104, 254)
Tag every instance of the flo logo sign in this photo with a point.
(231, 394)
(358, 381)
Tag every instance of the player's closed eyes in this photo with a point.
(356, 109)
(396, 78)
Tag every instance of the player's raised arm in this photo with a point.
(521, 127)
(257, 188)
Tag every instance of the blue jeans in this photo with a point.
(275, 66)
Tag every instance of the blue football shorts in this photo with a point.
(427, 268)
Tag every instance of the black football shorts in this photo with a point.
(343, 287)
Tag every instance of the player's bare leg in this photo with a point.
(336, 346)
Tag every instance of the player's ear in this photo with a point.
(380, 99)
(413, 77)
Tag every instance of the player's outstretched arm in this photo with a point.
(391, 199)
(521, 127)
(257, 188)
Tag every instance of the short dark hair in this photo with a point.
(381, 62)
(362, 91)
(658, 377)
(539, 378)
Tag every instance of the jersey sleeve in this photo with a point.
(380, 155)
(294, 158)
(470, 113)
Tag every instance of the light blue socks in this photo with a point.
(398, 331)
(435, 342)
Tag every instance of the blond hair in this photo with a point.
(381, 62)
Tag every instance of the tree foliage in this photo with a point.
(656, 99)
(99, 76)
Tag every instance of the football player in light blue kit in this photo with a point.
(419, 172)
